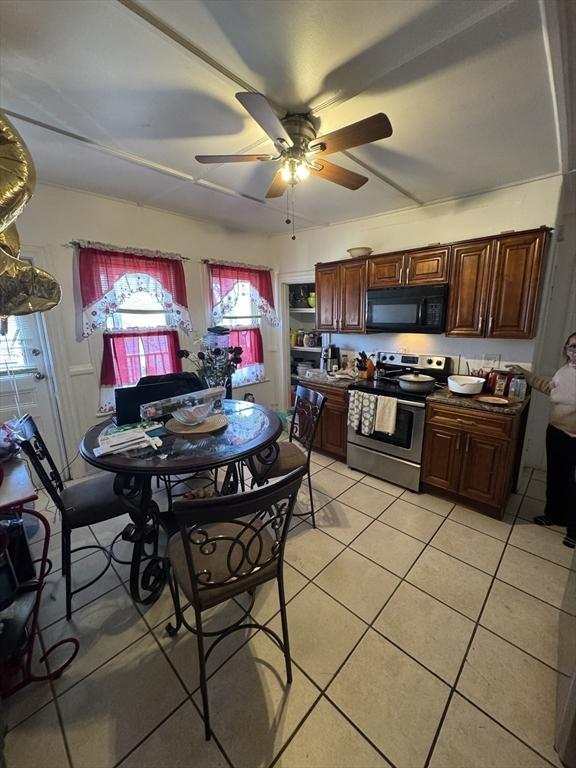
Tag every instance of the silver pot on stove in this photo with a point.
(418, 383)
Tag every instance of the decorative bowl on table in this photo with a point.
(355, 253)
(466, 385)
(194, 414)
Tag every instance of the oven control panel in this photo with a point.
(439, 362)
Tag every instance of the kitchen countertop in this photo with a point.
(330, 383)
(446, 397)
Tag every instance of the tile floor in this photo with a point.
(423, 634)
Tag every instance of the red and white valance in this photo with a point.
(227, 282)
(109, 277)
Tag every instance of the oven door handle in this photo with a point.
(410, 403)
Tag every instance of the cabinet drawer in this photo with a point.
(479, 422)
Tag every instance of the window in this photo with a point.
(141, 310)
(14, 355)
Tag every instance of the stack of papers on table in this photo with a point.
(126, 440)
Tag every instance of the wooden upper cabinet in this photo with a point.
(385, 271)
(427, 266)
(327, 297)
(515, 282)
(469, 289)
(353, 296)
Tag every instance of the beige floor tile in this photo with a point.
(309, 550)
(515, 689)
(315, 467)
(426, 500)
(341, 521)
(35, 530)
(539, 474)
(104, 628)
(80, 538)
(469, 739)
(135, 690)
(415, 521)
(536, 489)
(388, 547)
(513, 504)
(302, 506)
(266, 604)
(177, 743)
(369, 500)
(158, 612)
(451, 581)
(328, 739)
(106, 531)
(383, 485)
(538, 577)
(29, 699)
(53, 605)
(253, 711)
(488, 525)
(182, 650)
(524, 479)
(344, 469)
(320, 458)
(428, 630)
(37, 742)
(358, 583)
(466, 544)
(331, 483)
(531, 508)
(391, 698)
(540, 540)
(530, 624)
(322, 633)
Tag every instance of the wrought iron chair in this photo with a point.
(226, 546)
(305, 419)
(88, 502)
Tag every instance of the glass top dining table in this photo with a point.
(251, 430)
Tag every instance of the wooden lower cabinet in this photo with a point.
(332, 433)
(472, 456)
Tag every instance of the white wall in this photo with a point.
(54, 216)
(524, 206)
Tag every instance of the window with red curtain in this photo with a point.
(130, 355)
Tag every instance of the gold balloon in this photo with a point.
(17, 173)
(23, 288)
(10, 242)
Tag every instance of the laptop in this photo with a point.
(129, 399)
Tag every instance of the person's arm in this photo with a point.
(541, 383)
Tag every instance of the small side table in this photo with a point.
(20, 618)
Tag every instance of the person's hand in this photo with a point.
(516, 368)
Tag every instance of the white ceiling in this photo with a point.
(470, 88)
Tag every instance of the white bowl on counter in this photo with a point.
(465, 385)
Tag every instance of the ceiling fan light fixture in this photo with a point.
(302, 170)
(294, 170)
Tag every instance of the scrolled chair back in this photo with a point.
(229, 541)
(307, 411)
(28, 437)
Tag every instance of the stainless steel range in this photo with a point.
(397, 457)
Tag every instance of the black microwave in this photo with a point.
(406, 309)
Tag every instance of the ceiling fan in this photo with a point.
(300, 151)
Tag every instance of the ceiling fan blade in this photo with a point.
(337, 174)
(278, 186)
(262, 112)
(363, 132)
(232, 158)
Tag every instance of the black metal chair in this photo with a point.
(288, 457)
(88, 502)
(226, 546)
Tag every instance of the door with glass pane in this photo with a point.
(25, 386)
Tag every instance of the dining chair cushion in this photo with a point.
(216, 562)
(91, 501)
(290, 457)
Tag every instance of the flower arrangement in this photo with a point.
(214, 365)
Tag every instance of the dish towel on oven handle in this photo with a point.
(362, 411)
(385, 420)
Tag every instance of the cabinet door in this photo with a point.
(441, 457)
(515, 283)
(327, 297)
(352, 297)
(469, 286)
(429, 266)
(335, 430)
(384, 271)
(484, 468)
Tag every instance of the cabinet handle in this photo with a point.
(490, 322)
(467, 443)
(401, 273)
(458, 443)
(480, 319)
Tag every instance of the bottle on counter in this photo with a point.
(300, 337)
(517, 388)
(293, 337)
